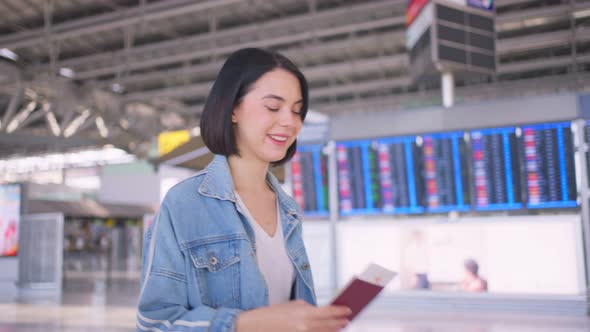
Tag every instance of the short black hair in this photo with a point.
(235, 79)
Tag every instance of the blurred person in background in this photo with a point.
(225, 252)
(472, 282)
(417, 260)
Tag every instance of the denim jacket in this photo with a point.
(199, 262)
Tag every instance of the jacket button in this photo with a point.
(213, 260)
(305, 266)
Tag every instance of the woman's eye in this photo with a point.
(272, 109)
(297, 112)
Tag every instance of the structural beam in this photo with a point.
(111, 21)
(540, 41)
(252, 32)
(15, 101)
(383, 63)
(206, 52)
(508, 21)
(387, 40)
(505, 89)
(528, 65)
(28, 140)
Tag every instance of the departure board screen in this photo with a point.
(587, 138)
(496, 169)
(445, 172)
(358, 178)
(400, 175)
(309, 176)
(549, 165)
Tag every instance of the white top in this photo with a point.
(273, 261)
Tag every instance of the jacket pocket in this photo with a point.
(218, 272)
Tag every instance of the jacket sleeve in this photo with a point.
(163, 300)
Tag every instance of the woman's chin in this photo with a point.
(274, 157)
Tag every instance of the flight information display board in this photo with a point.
(549, 165)
(309, 176)
(400, 175)
(445, 172)
(490, 170)
(358, 178)
(587, 139)
(496, 169)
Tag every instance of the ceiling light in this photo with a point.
(82, 158)
(45, 106)
(117, 88)
(30, 93)
(534, 22)
(102, 128)
(18, 120)
(76, 123)
(581, 13)
(124, 123)
(53, 125)
(67, 72)
(8, 54)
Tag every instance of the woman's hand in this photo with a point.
(294, 316)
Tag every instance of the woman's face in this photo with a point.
(268, 119)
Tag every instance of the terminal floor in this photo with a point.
(118, 318)
(94, 301)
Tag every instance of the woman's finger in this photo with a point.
(327, 325)
(334, 311)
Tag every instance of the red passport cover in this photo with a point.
(357, 295)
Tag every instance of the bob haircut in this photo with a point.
(236, 78)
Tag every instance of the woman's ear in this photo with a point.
(233, 115)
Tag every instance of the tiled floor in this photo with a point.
(97, 301)
(90, 318)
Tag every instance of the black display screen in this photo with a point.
(549, 165)
(496, 169)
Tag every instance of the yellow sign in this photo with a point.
(170, 140)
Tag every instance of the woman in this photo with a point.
(226, 252)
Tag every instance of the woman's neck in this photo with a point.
(249, 175)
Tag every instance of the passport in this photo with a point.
(362, 289)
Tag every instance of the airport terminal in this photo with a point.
(445, 140)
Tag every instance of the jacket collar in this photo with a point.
(218, 183)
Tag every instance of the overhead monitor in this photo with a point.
(496, 169)
(309, 175)
(587, 139)
(445, 172)
(358, 178)
(400, 175)
(549, 165)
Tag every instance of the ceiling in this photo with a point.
(121, 71)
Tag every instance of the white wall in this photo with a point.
(138, 183)
(133, 183)
(534, 255)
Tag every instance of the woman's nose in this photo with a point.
(288, 118)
